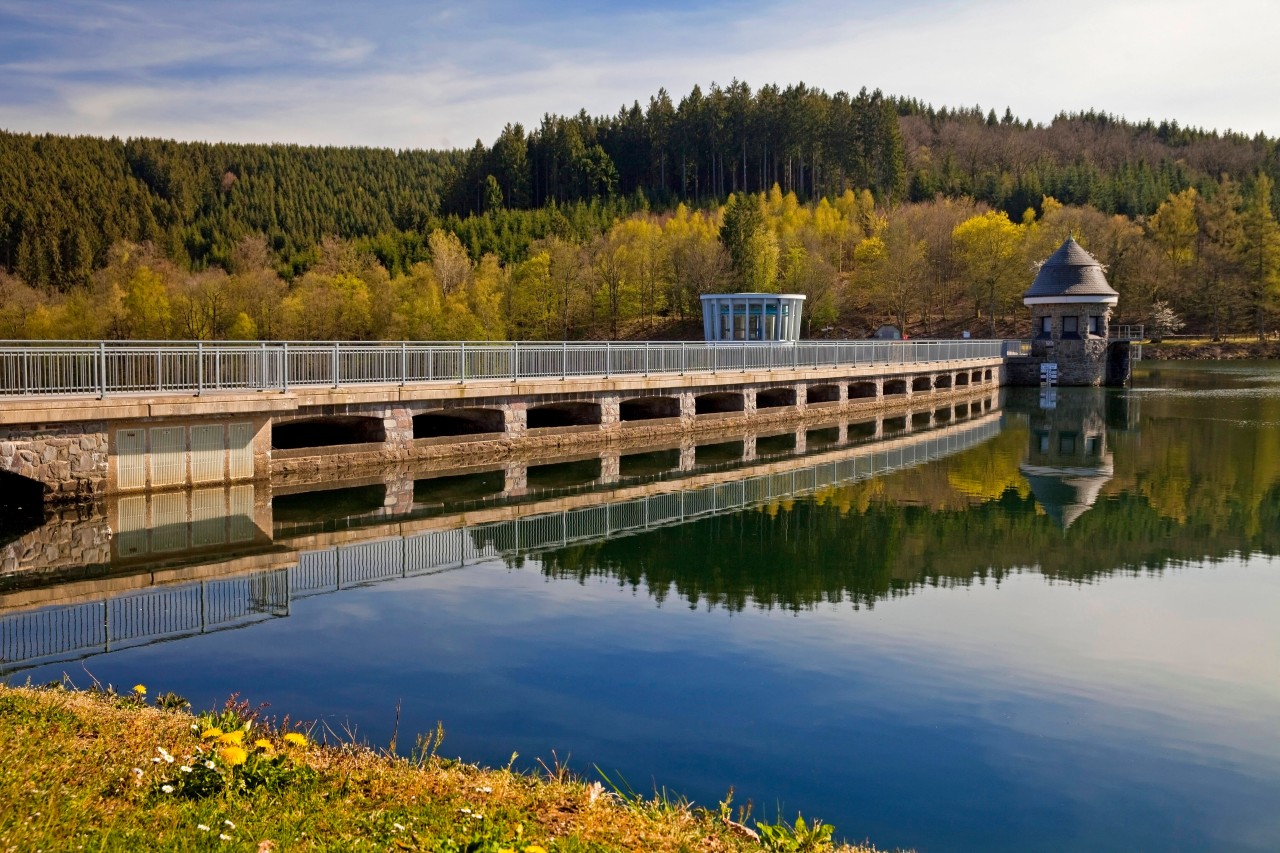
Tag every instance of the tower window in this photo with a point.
(1070, 325)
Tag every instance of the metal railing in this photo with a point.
(1126, 333)
(99, 368)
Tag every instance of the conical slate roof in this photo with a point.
(1070, 271)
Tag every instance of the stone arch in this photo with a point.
(327, 431)
(718, 402)
(895, 387)
(564, 415)
(863, 390)
(648, 408)
(921, 383)
(775, 398)
(816, 394)
(962, 379)
(451, 422)
(942, 380)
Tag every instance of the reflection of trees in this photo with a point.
(817, 553)
(1185, 488)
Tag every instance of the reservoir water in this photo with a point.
(1050, 622)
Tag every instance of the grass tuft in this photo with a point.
(103, 771)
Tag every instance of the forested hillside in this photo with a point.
(878, 208)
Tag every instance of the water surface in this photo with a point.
(1052, 628)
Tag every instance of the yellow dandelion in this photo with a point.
(233, 755)
(210, 733)
(535, 848)
(264, 744)
(296, 739)
(236, 737)
(140, 689)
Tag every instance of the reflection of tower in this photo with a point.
(1068, 461)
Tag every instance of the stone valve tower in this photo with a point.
(1071, 305)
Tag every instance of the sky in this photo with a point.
(406, 74)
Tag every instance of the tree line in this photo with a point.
(933, 268)
(877, 208)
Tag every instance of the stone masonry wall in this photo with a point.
(70, 461)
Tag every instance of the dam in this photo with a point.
(79, 420)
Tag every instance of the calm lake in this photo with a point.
(1048, 623)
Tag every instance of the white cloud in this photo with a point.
(455, 75)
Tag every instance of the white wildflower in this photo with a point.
(399, 827)
(168, 789)
(185, 768)
(224, 836)
(230, 824)
(202, 827)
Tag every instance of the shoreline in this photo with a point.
(1202, 350)
(115, 772)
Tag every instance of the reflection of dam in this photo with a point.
(91, 617)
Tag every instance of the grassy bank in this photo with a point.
(1208, 349)
(97, 771)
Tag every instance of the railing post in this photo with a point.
(462, 362)
(217, 368)
(199, 368)
(159, 368)
(262, 376)
(646, 358)
(684, 368)
(404, 363)
(564, 360)
(608, 359)
(102, 369)
(515, 360)
(284, 368)
(335, 364)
